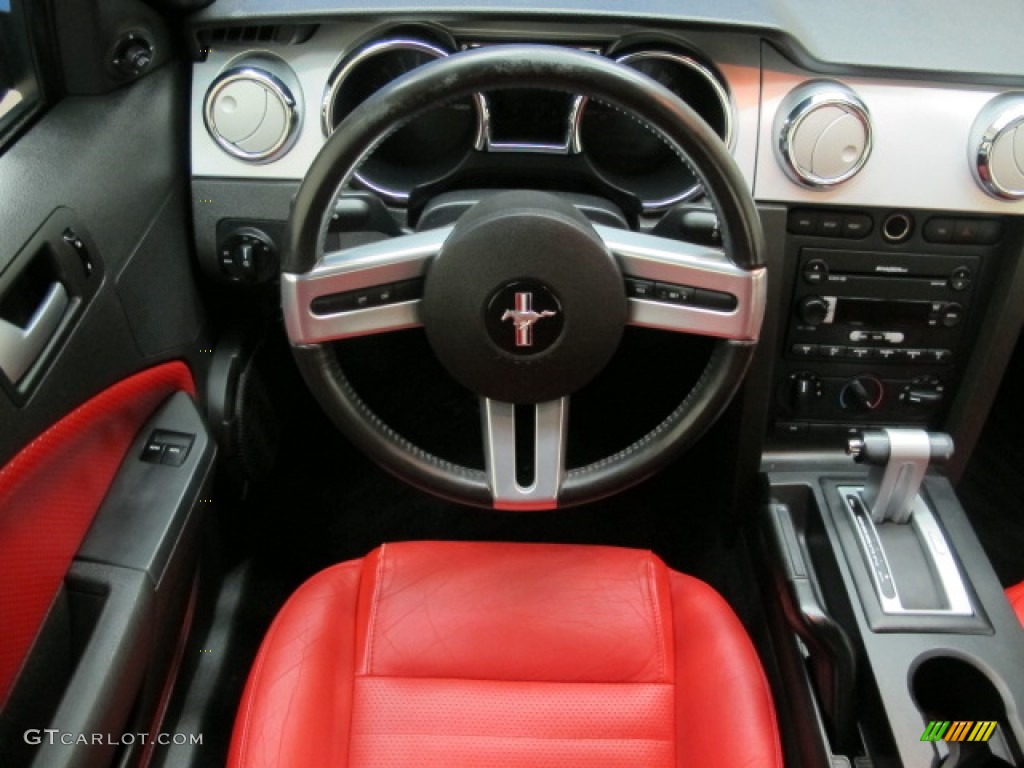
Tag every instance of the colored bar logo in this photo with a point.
(959, 730)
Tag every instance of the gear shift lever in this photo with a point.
(898, 459)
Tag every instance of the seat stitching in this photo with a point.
(372, 628)
(352, 677)
(651, 587)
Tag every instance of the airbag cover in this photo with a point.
(524, 303)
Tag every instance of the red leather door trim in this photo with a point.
(50, 492)
(1015, 595)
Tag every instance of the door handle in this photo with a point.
(20, 347)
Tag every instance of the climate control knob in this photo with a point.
(861, 393)
(812, 310)
(804, 389)
(923, 393)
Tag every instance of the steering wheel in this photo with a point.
(523, 300)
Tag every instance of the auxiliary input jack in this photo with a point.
(897, 227)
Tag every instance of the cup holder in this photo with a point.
(950, 690)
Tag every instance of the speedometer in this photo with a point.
(630, 156)
(425, 149)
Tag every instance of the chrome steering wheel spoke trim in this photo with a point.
(308, 275)
(550, 423)
(363, 267)
(678, 263)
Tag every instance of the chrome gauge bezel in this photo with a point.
(689, 62)
(349, 63)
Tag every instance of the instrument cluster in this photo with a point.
(496, 138)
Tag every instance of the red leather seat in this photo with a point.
(1015, 594)
(475, 654)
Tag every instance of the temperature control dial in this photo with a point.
(861, 393)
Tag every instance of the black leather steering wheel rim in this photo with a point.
(461, 75)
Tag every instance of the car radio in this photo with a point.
(880, 307)
(877, 330)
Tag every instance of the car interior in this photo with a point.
(511, 383)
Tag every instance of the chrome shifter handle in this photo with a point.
(898, 459)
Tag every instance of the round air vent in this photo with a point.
(996, 147)
(251, 113)
(823, 134)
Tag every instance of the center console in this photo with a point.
(894, 639)
(882, 312)
(896, 642)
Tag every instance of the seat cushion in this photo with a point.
(1015, 595)
(479, 654)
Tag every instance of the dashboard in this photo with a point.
(890, 179)
(562, 138)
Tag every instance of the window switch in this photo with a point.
(153, 452)
(174, 455)
(168, 448)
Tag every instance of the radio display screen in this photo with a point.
(879, 313)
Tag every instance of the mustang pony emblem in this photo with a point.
(523, 318)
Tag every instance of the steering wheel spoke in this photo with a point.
(694, 289)
(372, 288)
(523, 301)
(540, 433)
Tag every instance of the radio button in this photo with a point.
(805, 350)
(887, 354)
(939, 355)
(911, 355)
(833, 351)
(829, 224)
(803, 222)
(815, 271)
(960, 279)
(938, 230)
(967, 231)
(952, 315)
(860, 353)
(856, 225)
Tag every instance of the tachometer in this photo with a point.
(629, 155)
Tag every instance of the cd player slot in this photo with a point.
(821, 265)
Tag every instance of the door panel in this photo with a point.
(116, 164)
(111, 166)
(51, 491)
